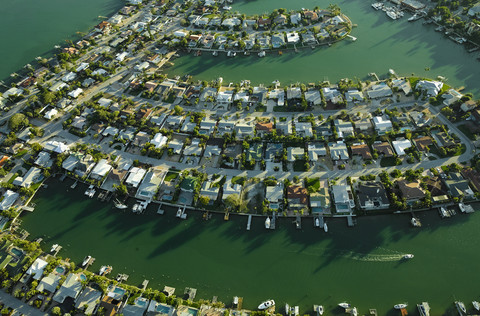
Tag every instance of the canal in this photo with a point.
(361, 265)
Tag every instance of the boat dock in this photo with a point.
(240, 303)
(350, 221)
(272, 223)
(74, 185)
(249, 222)
(190, 293)
(57, 249)
(168, 290)
(373, 311)
(144, 284)
(122, 277)
(104, 196)
(89, 263)
(160, 210)
(298, 222)
(374, 75)
(63, 177)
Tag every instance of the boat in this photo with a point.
(392, 15)
(317, 222)
(215, 53)
(231, 53)
(460, 307)
(262, 54)
(86, 260)
(476, 305)
(354, 312)
(414, 17)
(120, 205)
(227, 8)
(325, 227)
(287, 309)
(179, 212)
(443, 212)
(235, 300)
(266, 304)
(296, 311)
(344, 305)
(400, 306)
(424, 309)
(320, 310)
(54, 247)
(408, 256)
(267, 223)
(416, 222)
(104, 270)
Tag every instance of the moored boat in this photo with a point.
(415, 222)
(320, 310)
(54, 247)
(476, 305)
(86, 260)
(104, 270)
(400, 306)
(262, 54)
(325, 227)
(424, 309)
(266, 304)
(267, 223)
(344, 305)
(461, 307)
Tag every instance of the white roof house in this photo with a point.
(224, 97)
(382, 124)
(101, 169)
(210, 190)
(475, 10)
(295, 153)
(332, 95)
(56, 147)
(150, 183)
(279, 95)
(380, 90)
(9, 198)
(36, 269)
(316, 150)
(451, 96)
(193, 149)
(313, 97)
(274, 194)
(12, 91)
(75, 93)
(295, 18)
(229, 188)
(121, 56)
(89, 297)
(135, 176)
(402, 84)
(33, 175)
(159, 140)
(342, 195)
(431, 87)
(82, 66)
(293, 38)
(338, 151)
(180, 33)
(69, 77)
(304, 129)
(176, 146)
(104, 102)
(70, 288)
(401, 145)
(212, 150)
(50, 114)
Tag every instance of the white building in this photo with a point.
(401, 145)
(432, 88)
(382, 124)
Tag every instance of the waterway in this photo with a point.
(360, 265)
(408, 48)
(31, 28)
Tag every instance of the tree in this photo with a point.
(56, 311)
(121, 189)
(178, 110)
(204, 200)
(17, 121)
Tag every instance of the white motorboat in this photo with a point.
(392, 15)
(415, 222)
(424, 309)
(267, 304)
(287, 309)
(267, 223)
(476, 305)
(215, 53)
(344, 305)
(235, 300)
(104, 270)
(443, 212)
(262, 54)
(325, 227)
(296, 311)
(231, 53)
(461, 307)
(119, 205)
(54, 247)
(86, 260)
(354, 312)
(320, 310)
(179, 212)
(317, 222)
(400, 306)
(408, 256)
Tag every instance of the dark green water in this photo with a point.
(31, 28)
(360, 264)
(382, 44)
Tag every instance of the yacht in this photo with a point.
(461, 206)
(423, 309)
(267, 223)
(476, 305)
(86, 260)
(266, 304)
(344, 305)
(54, 247)
(415, 222)
(119, 205)
(400, 306)
(235, 300)
(262, 54)
(460, 307)
(287, 309)
(407, 256)
(325, 227)
(179, 212)
(320, 310)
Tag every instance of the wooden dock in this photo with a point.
(272, 222)
(249, 222)
(190, 293)
(240, 303)
(350, 221)
(226, 217)
(57, 250)
(144, 285)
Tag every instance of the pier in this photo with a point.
(226, 217)
(350, 221)
(272, 223)
(190, 293)
(89, 263)
(144, 285)
(249, 222)
(56, 251)
(298, 222)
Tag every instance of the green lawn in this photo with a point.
(313, 184)
(238, 180)
(299, 165)
(171, 176)
(467, 131)
(255, 152)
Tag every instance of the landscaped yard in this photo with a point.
(171, 176)
(255, 152)
(312, 184)
(467, 131)
(388, 162)
(299, 165)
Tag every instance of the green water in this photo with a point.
(31, 28)
(360, 264)
(382, 44)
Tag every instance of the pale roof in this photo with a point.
(36, 269)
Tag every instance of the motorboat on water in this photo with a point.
(120, 205)
(354, 312)
(235, 300)
(407, 256)
(344, 305)
(415, 222)
(262, 54)
(325, 227)
(267, 304)
(287, 309)
(317, 222)
(231, 53)
(476, 305)
(86, 260)
(215, 53)
(400, 306)
(320, 310)
(54, 247)
(267, 223)
(461, 307)
(104, 270)
(424, 309)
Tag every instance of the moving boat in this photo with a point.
(267, 223)
(266, 304)
(344, 305)
(320, 310)
(476, 305)
(461, 307)
(54, 247)
(400, 306)
(408, 256)
(325, 227)
(86, 260)
(423, 309)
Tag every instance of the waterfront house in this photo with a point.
(423, 143)
(372, 196)
(135, 176)
(320, 201)
(437, 189)
(412, 191)
(71, 287)
(343, 198)
(308, 38)
(265, 23)
(164, 88)
(354, 96)
(332, 95)
(313, 97)
(32, 176)
(79, 164)
(101, 170)
(277, 95)
(231, 22)
(224, 98)
(468, 105)
(242, 96)
(295, 18)
(458, 186)
(150, 183)
(230, 188)
(293, 38)
(280, 19)
(400, 146)
(297, 197)
(451, 96)
(88, 299)
(259, 95)
(402, 85)
(316, 150)
(338, 151)
(382, 124)
(278, 40)
(210, 189)
(431, 88)
(43, 160)
(8, 199)
(294, 93)
(208, 94)
(310, 15)
(139, 307)
(344, 128)
(49, 283)
(36, 269)
(294, 153)
(274, 196)
(361, 150)
(381, 90)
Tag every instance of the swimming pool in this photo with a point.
(192, 311)
(82, 277)
(164, 309)
(17, 252)
(59, 270)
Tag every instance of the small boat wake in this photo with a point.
(390, 256)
